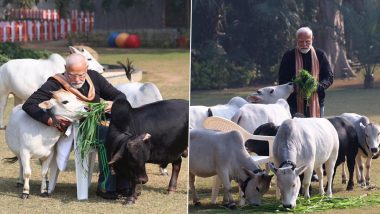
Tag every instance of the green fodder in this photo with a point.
(315, 204)
(88, 136)
(306, 83)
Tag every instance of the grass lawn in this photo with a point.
(169, 70)
(344, 96)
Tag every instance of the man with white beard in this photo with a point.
(315, 61)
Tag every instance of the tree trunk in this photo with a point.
(330, 37)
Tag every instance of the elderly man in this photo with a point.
(88, 86)
(315, 61)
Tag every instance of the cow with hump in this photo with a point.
(223, 154)
(301, 145)
(368, 138)
(129, 146)
(29, 138)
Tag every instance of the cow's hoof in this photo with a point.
(164, 173)
(344, 181)
(367, 183)
(171, 191)
(3, 127)
(231, 206)
(19, 185)
(350, 187)
(24, 196)
(44, 194)
(197, 204)
(130, 201)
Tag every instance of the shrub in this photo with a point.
(211, 69)
(14, 51)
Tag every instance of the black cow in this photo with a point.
(348, 144)
(258, 146)
(167, 123)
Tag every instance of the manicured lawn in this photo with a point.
(169, 70)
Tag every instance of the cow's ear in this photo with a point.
(248, 172)
(272, 168)
(46, 104)
(364, 120)
(118, 155)
(300, 170)
(362, 125)
(73, 50)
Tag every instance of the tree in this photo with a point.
(259, 32)
(22, 3)
(363, 26)
(204, 20)
(330, 36)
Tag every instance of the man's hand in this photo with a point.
(109, 106)
(59, 122)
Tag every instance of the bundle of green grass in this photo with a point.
(88, 135)
(306, 83)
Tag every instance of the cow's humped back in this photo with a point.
(123, 113)
(166, 121)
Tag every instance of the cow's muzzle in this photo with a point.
(374, 150)
(288, 206)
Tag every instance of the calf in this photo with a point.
(167, 123)
(306, 143)
(29, 138)
(368, 138)
(223, 154)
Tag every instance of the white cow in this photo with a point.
(139, 94)
(271, 94)
(28, 138)
(368, 135)
(251, 116)
(223, 154)
(199, 113)
(305, 143)
(22, 77)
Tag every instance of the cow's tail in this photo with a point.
(10, 160)
(209, 112)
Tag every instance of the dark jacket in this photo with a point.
(287, 74)
(103, 89)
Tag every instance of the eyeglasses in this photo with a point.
(73, 76)
(307, 42)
